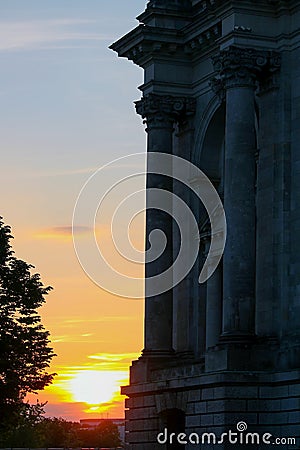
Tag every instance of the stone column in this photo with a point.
(272, 171)
(183, 301)
(160, 113)
(239, 71)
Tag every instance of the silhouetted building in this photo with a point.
(91, 424)
(222, 89)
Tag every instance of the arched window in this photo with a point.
(174, 421)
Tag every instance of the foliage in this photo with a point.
(106, 434)
(57, 432)
(24, 430)
(25, 354)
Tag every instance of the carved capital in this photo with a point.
(243, 67)
(165, 110)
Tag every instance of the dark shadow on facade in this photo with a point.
(174, 421)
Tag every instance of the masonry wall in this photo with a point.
(216, 404)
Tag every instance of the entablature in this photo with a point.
(146, 43)
(173, 28)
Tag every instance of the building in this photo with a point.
(222, 90)
(93, 423)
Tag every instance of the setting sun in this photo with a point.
(95, 387)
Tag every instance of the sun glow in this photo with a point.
(90, 389)
(96, 387)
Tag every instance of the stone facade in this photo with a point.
(222, 89)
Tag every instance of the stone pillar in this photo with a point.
(183, 301)
(160, 113)
(272, 172)
(239, 71)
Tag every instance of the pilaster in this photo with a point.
(161, 113)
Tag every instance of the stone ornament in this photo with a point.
(244, 67)
(165, 110)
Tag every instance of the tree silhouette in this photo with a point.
(106, 435)
(25, 354)
(58, 433)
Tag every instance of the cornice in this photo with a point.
(170, 4)
(202, 32)
(212, 4)
(173, 14)
(145, 43)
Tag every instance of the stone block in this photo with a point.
(194, 395)
(264, 405)
(294, 417)
(215, 406)
(294, 390)
(233, 418)
(193, 421)
(288, 404)
(201, 408)
(128, 402)
(207, 394)
(274, 418)
(244, 392)
(273, 391)
(207, 420)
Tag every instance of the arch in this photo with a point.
(209, 151)
(202, 127)
(212, 150)
(209, 157)
(174, 421)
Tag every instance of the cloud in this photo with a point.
(115, 358)
(98, 320)
(74, 411)
(99, 362)
(43, 34)
(80, 171)
(87, 170)
(80, 338)
(115, 362)
(64, 232)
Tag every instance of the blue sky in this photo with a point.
(63, 92)
(66, 99)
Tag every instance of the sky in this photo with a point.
(66, 110)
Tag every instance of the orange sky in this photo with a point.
(94, 334)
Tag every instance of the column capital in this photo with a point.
(244, 67)
(163, 111)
